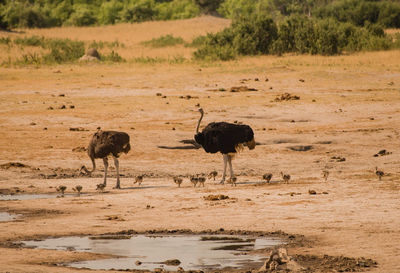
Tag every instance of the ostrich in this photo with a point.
(325, 174)
(226, 138)
(379, 173)
(267, 177)
(212, 174)
(194, 180)
(285, 177)
(201, 180)
(178, 181)
(139, 180)
(104, 143)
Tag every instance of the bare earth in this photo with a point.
(348, 108)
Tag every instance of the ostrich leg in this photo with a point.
(224, 173)
(230, 165)
(105, 161)
(116, 163)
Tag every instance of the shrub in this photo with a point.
(30, 41)
(177, 9)
(63, 50)
(82, 15)
(163, 41)
(109, 12)
(112, 57)
(138, 11)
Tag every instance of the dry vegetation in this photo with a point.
(348, 109)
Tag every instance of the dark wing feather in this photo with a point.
(223, 137)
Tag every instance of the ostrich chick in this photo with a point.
(267, 177)
(201, 180)
(138, 179)
(379, 173)
(103, 144)
(212, 174)
(100, 187)
(178, 181)
(194, 180)
(226, 138)
(232, 181)
(325, 174)
(285, 177)
(61, 189)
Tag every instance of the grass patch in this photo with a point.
(160, 60)
(164, 41)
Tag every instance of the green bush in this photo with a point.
(30, 41)
(109, 12)
(138, 11)
(177, 9)
(163, 41)
(235, 9)
(82, 15)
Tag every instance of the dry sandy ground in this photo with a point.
(348, 108)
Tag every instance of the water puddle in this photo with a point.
(5, 216)
(193, 252)
(6, 197)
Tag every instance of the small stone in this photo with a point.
(138, 262)
(313, 192)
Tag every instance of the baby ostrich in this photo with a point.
(379, 173)
(285, 177)
(61, 189)
(325, 174)
(178, 181)
(212, 174)
(267, 177)
(78, 188)
(201, 180)
(226, 138)
(138, 179)
(100, 187)
(105, 143)
(194, 181)
(232, 181)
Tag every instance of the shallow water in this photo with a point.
(32, 196)
(191, 250)
(5, 216)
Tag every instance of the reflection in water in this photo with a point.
(191, 250)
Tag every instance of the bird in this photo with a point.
(285, 177)
(178, 181)
(78, 188)
(226, 138)
(194, 180)
(212, 174)
(379, 173)
(325, 174)
(103, 144)
(138, 179)
(232, 180)
(61, 189)
(267, 177)
(100, 187)
(201, 180)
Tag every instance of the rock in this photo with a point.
(242, 89)
(138, 262)
(86, 58)
(278, 261)
(286, 97)
(92, 52)
(313, 192)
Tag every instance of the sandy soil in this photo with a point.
(348, 108)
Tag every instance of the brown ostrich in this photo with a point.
(103, 144)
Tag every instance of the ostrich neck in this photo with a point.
(198, 124)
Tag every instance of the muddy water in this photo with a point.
(193, 251)
(5, 216)
(32, 196)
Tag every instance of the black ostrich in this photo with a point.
(105, 143)
(226, 138)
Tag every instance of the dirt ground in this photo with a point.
(347, 111)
